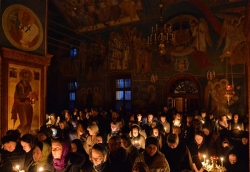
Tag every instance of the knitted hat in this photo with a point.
(152, 140)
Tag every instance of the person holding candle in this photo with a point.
(136, 138)
(235, 127)
(28, 143)
(12, 151)
(41, 153)
(164, 124)
(199, 140)
(200, 160)
(153, 158)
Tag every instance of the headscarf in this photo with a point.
(60, 164)
(46, 150)
(80, 149)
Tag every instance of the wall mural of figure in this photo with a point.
(128, 7)
(215, 93)
(151, 97)
(142, 57)
(200, 34)
(24, 98)
(118, 52)
(233, 32)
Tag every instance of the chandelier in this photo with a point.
(229, 88)
(161, 37)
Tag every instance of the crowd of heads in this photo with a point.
(167, 140)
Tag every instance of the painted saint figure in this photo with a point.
(22, 101)
(26, 33)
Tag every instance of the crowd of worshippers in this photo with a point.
(121, 141)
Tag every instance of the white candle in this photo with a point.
(221, 159)
(204, 156)
(207, 161)
(17, 167)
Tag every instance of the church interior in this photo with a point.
(141, 55)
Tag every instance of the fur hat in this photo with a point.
(8, 138)
(152, 140)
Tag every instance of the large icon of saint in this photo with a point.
(22, 27)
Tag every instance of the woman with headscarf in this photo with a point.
(199, 140)
(153, 158)
(137, 139)
(28, 143)
(77, 147)
(40, 160)
(63, 160)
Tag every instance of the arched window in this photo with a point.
(184, 93)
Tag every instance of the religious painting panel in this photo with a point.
(24, 86)
(23, 25)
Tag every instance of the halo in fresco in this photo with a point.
(22, 27)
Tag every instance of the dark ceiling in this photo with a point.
(72, 21)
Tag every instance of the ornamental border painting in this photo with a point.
(24, 90)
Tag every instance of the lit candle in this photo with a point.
(40, 169)
(207, 161)
(17, 167)
(204, 156)
(165, 129)
(238, 128)
(221, 159)
(136, 142)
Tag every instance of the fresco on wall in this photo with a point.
(90, 15)
(215, 101)
(118, 52)
(233, 33)
(89, 97)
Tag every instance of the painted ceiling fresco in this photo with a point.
(91, 15)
